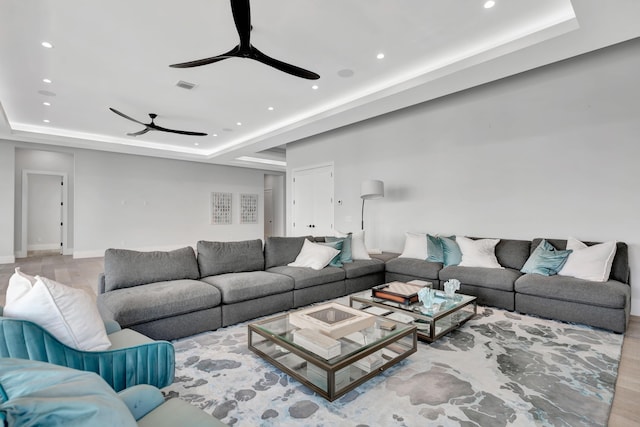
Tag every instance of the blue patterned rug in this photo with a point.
(499, 369)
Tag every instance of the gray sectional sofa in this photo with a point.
(604, 305)
(168, 295)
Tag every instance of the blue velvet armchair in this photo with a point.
(132, 358)
(37, 393)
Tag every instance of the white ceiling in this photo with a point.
(116, 53)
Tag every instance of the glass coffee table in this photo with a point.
(447, 314)
(331, 348)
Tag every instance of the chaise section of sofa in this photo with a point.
(604, 305)
(158, 293)
(236, 269)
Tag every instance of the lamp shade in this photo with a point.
(372, 189)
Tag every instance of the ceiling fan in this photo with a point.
(153, 126)
(242, 19)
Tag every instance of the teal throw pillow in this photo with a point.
(338, 244)
(546, 260)
(451, 251)
(345, 253)
(435, 252)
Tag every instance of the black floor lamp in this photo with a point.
(370, 189)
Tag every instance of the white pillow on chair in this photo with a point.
(19, 284)
(69, 314)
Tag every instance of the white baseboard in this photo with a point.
(21, 254)
(88, 254)
(67, 251)
(44, 247)
(7, 259)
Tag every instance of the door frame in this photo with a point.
(25, 209)
(291, 180)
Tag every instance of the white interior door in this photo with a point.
(313, 201)
(268, 213)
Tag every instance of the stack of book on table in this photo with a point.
(316, 342)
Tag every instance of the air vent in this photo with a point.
(185, 85)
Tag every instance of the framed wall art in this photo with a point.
(221, 208)
(248, 209)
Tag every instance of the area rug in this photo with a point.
(499, 369)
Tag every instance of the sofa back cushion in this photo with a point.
(229, 257)
(282, 250)
(620, 266)
(124, 268)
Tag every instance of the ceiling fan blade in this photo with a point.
(198, 62)
(181, 132)
(242, 18)
(125, 116)
(142, 132)
(283, 66)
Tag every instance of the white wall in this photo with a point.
(149, 203)
(6, 202)
(554, 152)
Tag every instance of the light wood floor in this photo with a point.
(83, 273)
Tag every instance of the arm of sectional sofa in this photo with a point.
(101, 283)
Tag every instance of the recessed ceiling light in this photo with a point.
(48, 104)
(196, 143)
(239, 123)
(215, 134)
(380, 55)
(270, 108)
(47, 121)
(47, 45)
(314, 87)
(46, 80)
(489, 4)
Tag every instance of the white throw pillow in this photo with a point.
(478, 253)
(589, 262)
(358, 248)
(415, 246)
(69, 314)
(19, 284)
(314, 255)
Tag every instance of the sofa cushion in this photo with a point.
(229, 257)
(494, 278)
(414, 267)
(42, 394)
(513, 253)
(345, 253)
(611, 294)
(280, 251)
(145, 303)
(236, 287)
(307, 277)
(124, 268)
(363, 267)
